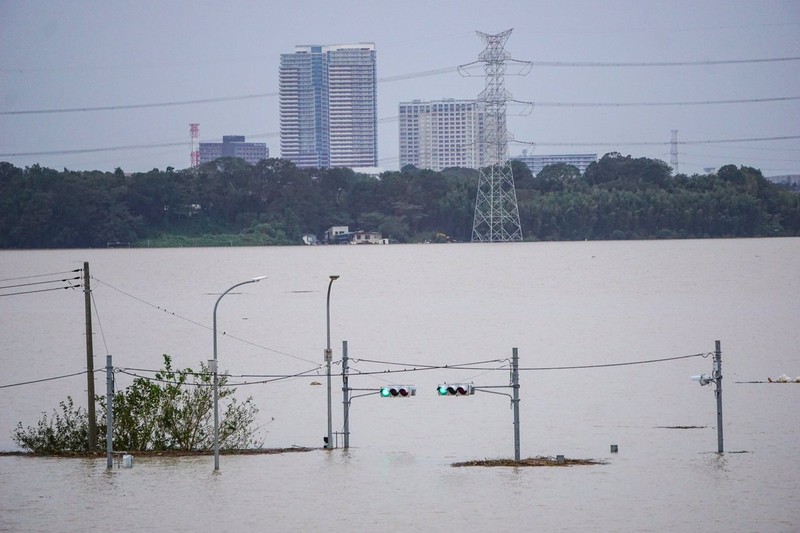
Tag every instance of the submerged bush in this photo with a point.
(174, 410)
(66, 431)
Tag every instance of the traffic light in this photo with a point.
(455, 389)
(398, 391)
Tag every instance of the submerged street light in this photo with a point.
(213, 368)
(328, 357)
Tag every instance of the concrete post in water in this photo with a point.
(87, 297)
(109, 413)
(345, 395)
(718, 392)
(515, 399)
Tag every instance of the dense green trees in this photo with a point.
(171, 411)
(274, 202)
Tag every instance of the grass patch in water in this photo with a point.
(531, 461)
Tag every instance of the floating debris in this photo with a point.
(783, 378)
(531, 461)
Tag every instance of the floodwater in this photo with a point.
(460, 309)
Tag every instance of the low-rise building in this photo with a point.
(337, 234)
(367, 237)
(234, 146)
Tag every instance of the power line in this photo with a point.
(81, 373)
(42, 290)
(660, 143)
(417, 368)
(273, 378)
(640, 143)
(356, 360)
(92, 150)
(154, 306)
(661, 63)
(38, 283)
(138, 106)
(399, 77)
(41, 275)
(394, 118)
(607, 365)
(99, 324)
(114, 148)
(656, 104)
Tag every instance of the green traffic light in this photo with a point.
(442, 391)
(385, 392)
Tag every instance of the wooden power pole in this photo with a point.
(87, 292)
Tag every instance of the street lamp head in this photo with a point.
(334, 277)
(259, 278)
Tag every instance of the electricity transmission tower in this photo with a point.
(496, 216)
(673, 151)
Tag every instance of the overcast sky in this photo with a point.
(61, 56)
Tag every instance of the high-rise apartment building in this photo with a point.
(440, 134)
(233, 146)
(328, 106)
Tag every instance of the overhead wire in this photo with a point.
(401, 77)
(137, 106)
(41, 275)
(136, 372)
(99, 324)
(204, 326)
(81, 373)
(662, 104)
(468, 366)
(608, 365)
(272, 377)
(38, 283)
(41, 290)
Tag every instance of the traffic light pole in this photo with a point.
(515, 399)
(345, 395)
(514, 386)
(718, 392)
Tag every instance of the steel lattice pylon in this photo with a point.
(496, 212)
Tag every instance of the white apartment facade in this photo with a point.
(439, 134)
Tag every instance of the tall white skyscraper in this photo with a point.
(439, 134)
(328, 106)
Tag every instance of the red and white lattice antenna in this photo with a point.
(194, 156)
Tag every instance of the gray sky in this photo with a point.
(57, 55)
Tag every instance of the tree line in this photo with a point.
(274, 203)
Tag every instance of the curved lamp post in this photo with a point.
(328, 357)
(216, 375)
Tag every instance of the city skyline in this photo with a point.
(97, 86)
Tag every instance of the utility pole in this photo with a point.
(109, 412)
(718, 391)
(346, 395)
(716, 378)
(515, 399)
(87, 293)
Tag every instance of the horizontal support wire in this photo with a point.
(279, 377)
